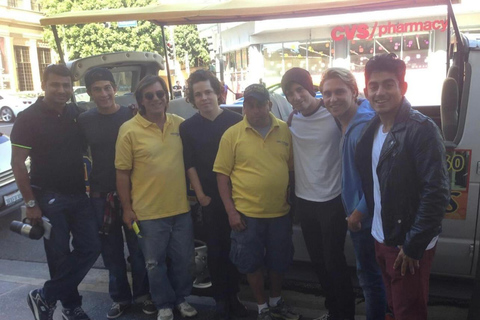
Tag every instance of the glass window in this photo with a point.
(24, 68)
(319, 58)
(415, 50)
(360, 52)
(273, 63)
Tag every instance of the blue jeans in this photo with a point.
(369, 274)
(265, 242)
(114, 259)
(68, 214)
(170, 237)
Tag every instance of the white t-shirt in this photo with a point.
(377, 227)
(317, 156)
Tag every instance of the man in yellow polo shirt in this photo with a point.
(253, 164)
(152, 188)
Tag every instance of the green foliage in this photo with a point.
(96, 38)
(188, 41)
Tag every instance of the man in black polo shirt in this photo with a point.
(201, 136)
(48, 132)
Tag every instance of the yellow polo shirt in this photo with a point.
(155, 159)
(257, 167)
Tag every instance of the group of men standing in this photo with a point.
(373, 166)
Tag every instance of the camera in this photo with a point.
(23, 228)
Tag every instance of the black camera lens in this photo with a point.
(33, 232)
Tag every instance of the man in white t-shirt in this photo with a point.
(402, 163)
(318, 185)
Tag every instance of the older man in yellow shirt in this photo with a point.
(253, 163)
(152, 188)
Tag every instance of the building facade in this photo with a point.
(266, 49)
(23, 54)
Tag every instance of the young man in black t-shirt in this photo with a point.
(48, 132)
(100, 128)
(201, 136)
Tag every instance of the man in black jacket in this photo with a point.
(402, 162)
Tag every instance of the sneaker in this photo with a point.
(186, 310)
(148, 307)
(326, 316)
(237, 308)
(39, 306)
(117, 309)
(74, 314)
(282, 311)
(165, 314)
(265, 314)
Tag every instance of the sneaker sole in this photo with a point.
(33, 306)
(190, 315)
(149, 312)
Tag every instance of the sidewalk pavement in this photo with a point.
(17, 278)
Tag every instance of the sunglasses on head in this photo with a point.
(149, 95)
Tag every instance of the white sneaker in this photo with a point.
(165, 314)
(186, 310)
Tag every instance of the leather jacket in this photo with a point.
(413, 178)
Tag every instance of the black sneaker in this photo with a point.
(282, 311)
(39, 306)
(265, 315)
(74, 314)
(148, 307)
(117, 309)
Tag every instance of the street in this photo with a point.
(23, 268)
(6, 128)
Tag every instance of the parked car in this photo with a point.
(10, 197)
(81, 94)
(11, 105)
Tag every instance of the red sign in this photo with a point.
(363, 31)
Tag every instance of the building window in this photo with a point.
(24, 68)
(44, 59)
(15, 3)
(319, 58)
(36, 5)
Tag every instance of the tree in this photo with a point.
(187, 40)
(97, 38)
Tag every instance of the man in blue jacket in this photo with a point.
(340, 95)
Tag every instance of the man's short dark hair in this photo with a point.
(98, 74)
(147, 82)
(199, 76)
(57, 69)
(387, 62)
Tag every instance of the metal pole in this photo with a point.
(58, 43)
(220, 51)
(166, 62)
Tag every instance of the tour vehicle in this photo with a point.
(458, 246)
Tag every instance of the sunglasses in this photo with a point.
(149, 95)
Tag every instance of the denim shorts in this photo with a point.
(265, 242)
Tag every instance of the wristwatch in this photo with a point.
(30, 203)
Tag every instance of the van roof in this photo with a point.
(200, 12)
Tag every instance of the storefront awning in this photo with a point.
(232, 11)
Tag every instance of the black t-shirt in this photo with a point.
(201, 138)
(101, 131)
(177, 93)
(56, 147)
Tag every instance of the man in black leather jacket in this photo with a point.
(402, 163)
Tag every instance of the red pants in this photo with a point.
(407, 295)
